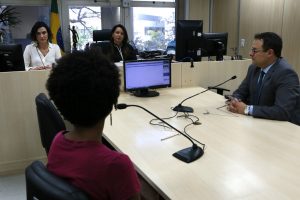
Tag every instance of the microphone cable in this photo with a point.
(186, 155)
(185, 115)
(193, 123)
(160, 123)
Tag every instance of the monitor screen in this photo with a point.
(187, 31)
(11, 58)
(142, 75)
(218, 45)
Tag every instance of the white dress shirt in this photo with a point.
(33, 57)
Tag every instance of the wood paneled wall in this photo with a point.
(259, 16)
(224, 19)
(291, 32)
(199, 9)
(280, 16)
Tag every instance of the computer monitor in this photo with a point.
(187, 33)
(11, 58)
(216, 45)
(142, 75)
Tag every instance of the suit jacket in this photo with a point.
(280, 93)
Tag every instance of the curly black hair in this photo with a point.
(84, 86)
(35, 28)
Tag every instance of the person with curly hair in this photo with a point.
(41, 53)
(84, 86)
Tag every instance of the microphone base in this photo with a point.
(189, 154)
(185, 109)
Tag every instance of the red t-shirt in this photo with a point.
(91, 166)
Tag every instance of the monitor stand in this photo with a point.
(219, 56)
(145, 93)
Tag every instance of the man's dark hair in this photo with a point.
(270, 41)
(84, 86)
(35, 28)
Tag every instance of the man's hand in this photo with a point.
(236, 106)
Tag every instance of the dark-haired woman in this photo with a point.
(121, 49)
(41, 54)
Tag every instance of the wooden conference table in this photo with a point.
(20, 142)
(245, 158)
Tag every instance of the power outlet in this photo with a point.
(243, 42)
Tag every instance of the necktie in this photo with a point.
(259, 84)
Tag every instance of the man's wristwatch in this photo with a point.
(247, 110)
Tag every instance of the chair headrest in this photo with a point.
(102, 35)
(48, 111)
(50, 122)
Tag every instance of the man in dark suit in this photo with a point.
(271, 88)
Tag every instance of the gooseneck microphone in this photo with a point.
(186, 155)
(181, 108)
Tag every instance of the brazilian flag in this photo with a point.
(55, 26)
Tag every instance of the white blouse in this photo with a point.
(33, 57)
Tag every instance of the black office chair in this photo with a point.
(101, 35)
(50, 122)
(43, 185)
(101, 39)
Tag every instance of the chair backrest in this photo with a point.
(43, 185)
(101, 40)
(50, 122)
(101, 35)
